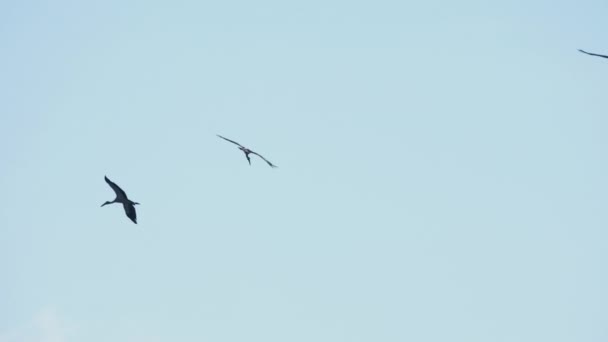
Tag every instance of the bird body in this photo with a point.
(121, 197)
(248, 152)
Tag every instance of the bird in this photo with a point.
(248, 151)
(121, 197)
(592, 54)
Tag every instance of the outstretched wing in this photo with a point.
(266, 160)
(592, 54)
(234, 142)
(119, 192)
(130, 211)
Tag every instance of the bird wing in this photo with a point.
(266, 160)
(234, 142)
(119, 192)
(592, 54)
(130, 211)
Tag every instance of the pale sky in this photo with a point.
(442, 171)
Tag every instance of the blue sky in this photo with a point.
(441, 171)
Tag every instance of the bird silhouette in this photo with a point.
(248, 151)
(592, 54)
(121, 197)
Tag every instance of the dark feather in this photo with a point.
(232, 141)
(119, 192)
(266, 160)
(130, 211)
(592, 54)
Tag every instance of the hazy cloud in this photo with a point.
(47, 325)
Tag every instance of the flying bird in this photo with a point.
(592, 54)
(247, 151)
(121, 197)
